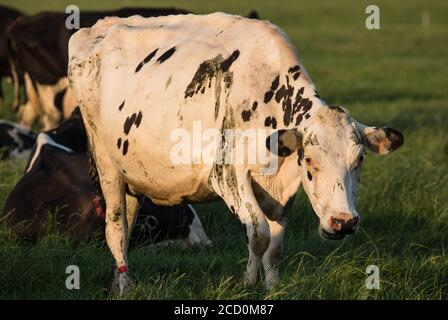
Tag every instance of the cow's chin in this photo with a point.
(330, 236)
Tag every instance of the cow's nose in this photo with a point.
(344, 226)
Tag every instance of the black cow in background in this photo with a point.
(7, 16)
(38, 50)
(58, 193)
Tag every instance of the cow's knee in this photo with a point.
(259, 239)
(273, 256)
(114, 215)
(257, 229)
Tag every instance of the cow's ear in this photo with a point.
(382, 140)
(284, 142)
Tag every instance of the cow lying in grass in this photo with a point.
(139, 80)
(16, 141)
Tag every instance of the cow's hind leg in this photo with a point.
(32, 109)
(117, 239)
(234, 186)
(27, 115)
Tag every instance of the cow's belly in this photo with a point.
(169, 185)
(148, 168)
(163, 182)
(141, 140)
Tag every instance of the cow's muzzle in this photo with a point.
(339, 227)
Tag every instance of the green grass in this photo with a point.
(395, 76)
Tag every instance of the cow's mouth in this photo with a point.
(330, 236)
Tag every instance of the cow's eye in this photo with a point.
(310, 162)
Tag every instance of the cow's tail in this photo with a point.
(197, 233)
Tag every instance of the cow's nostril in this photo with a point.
(344, 226)
(337, 224)
(350, 225)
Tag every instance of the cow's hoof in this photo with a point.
(271, 285)
(120, 284)
(249, 279)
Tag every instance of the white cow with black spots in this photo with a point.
(137, 80)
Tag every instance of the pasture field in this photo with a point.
(396, 76)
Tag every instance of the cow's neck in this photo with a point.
(274, 191)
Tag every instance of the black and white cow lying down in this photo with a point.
(16, 141)
(139, 80)
(57, 192)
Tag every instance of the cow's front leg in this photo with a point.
(258, 242)
(273, 255)
(234, 186)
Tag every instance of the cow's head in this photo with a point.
(329, 150)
